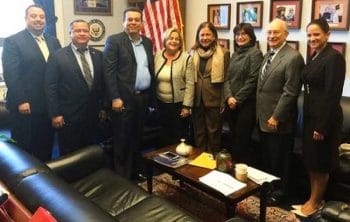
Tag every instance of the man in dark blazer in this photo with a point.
(129, 75)
(74, 89)
(278, 87)
(24, 63)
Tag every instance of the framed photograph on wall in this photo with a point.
(250, 12)
(220, 15)
(336, 12)
(289, 11)
(339, 46)
(293, 44)
(92, 7)
(225, 43)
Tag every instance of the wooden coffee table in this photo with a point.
(191, 174)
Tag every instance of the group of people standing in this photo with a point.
(67, 88)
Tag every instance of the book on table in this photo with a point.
(168, 159)
(222, 182)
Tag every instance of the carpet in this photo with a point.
(206, 208)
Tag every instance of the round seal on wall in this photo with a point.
(97, 30)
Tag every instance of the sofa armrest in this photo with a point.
(79, 163)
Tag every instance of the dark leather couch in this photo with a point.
(339, 185)
(80, 187)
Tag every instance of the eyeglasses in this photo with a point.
(240, 34)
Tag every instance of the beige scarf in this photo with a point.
(217, 66)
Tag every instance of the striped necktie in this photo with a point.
(268, 64)
(43, 46)
(86, 68)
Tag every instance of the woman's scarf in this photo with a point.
(217, 66)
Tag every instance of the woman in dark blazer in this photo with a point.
(240, 89)
(323, 79)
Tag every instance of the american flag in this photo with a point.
(159, 15)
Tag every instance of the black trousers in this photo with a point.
(174, 127)
(242, 122)
(33, 133)
(75, 135)
(127, 136)
(276, 151)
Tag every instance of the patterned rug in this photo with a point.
(210, 209)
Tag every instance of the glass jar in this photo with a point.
(224, 161)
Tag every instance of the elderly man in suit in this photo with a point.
(74, 89)
(278, 87)
(24, 63)
(129, 74)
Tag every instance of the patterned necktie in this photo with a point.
(43, 47)
(86, 67)
(268, 64)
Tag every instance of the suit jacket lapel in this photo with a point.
(33, 45)
(95, 64)
(128, 46)
(73, 61)
(274, 64)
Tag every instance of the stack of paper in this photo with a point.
(259, 176)
(222, 182)
(205, 160)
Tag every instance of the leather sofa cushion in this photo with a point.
(342, 173)
(111, 192)
(336, 211)
(154, 209)
(59, 198)
(79, 164)
(16, 164)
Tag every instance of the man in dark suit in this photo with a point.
(74, 89)
(129, 74)
(24, 62)
(277, 91)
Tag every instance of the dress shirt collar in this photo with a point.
(75, 48)
(35, 36)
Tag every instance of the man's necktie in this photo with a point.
(268, 64)
(43, 47)
(86, 68)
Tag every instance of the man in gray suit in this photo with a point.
(277, 91)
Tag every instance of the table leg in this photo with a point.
(230, 209)
(263, 199)
(149, 172)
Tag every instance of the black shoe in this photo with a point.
(276, 198)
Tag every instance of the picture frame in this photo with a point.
(257, 44)
(294, 44)
(220, 15)
(98, 47)
(287, 10)
(225, 43)
(339, 46)
(250, 12)
(335, 11)
(93, 7)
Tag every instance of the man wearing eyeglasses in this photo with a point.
(278, 88)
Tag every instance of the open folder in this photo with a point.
(205, 160)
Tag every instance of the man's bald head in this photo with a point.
(277, 33)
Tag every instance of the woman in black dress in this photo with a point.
(323, 79)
